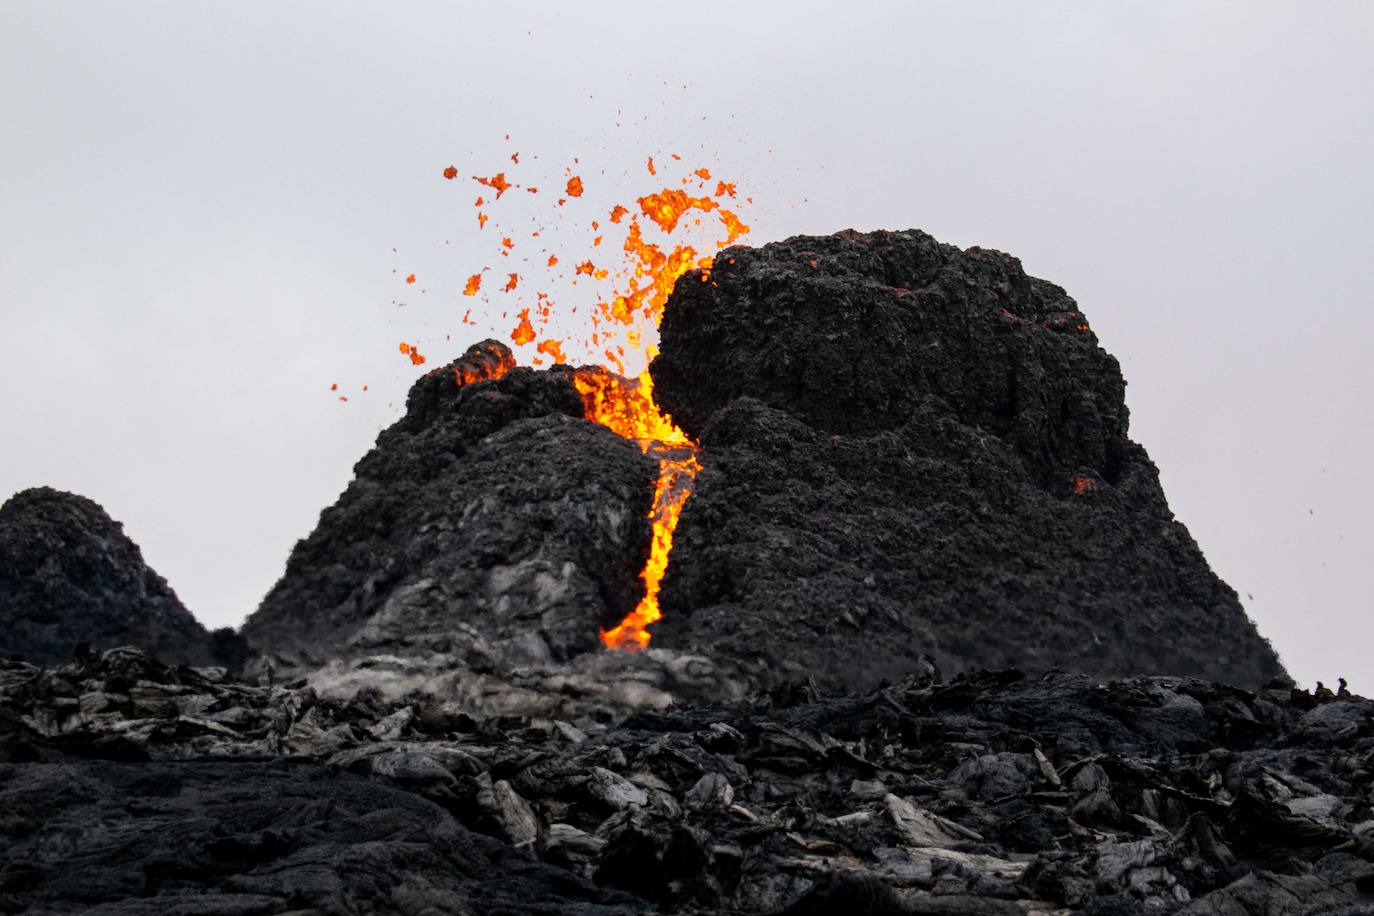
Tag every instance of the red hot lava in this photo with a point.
(620, 328)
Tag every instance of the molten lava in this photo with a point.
(627, 408)
(622, 329)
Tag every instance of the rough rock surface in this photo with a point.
(910, 449)
(130, 787)
(490, 524)
(70, 575)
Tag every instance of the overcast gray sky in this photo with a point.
(199, 204)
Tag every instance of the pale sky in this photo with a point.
(199, 205)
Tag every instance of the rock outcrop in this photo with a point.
(130, 787)
(70, 575)
(908, 450)
(492, 525)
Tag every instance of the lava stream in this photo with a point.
(677, 470)
(627, 408)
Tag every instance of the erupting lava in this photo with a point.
(627, 408)
(622, 326)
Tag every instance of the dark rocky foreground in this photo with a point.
(127, 787)
(70, 575)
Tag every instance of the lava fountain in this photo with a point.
(620, 328)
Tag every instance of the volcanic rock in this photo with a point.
(127, 786)
(491, 526)
(240, 838)
(69, 575)
(911, 450)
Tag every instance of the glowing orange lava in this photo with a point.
(524, 331)
(627, 407)
(552, 349)
(623, 321)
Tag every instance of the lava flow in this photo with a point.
(627, 408)
(620, 327)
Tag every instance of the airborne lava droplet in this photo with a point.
(474, 284)
(510, 284)
(575, 186)
(497, 183)
(414, 354)
(553, 349)
(524, 331)
(450, 173)
(410, 279)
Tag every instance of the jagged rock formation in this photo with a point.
(910, 449)
(69, 575)
(130, 787)
(491, 524)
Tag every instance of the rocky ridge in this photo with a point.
(70, 575)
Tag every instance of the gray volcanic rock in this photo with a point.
(70, 575)
(490, 524)
(914, 450)
(127, 786)
(244, 838)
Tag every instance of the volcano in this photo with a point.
(907, 452)
(859, 599)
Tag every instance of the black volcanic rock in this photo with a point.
(913, 450)
(69, 575)
(247, 838)
(492, 520)
(127, 786)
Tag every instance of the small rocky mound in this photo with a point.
(130, 787)
(491, 526)
(69, 575)
(911, 449)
